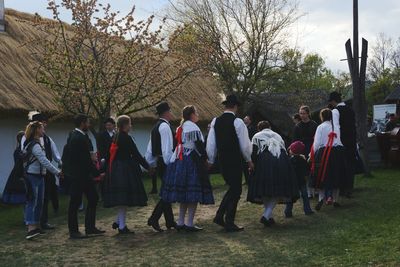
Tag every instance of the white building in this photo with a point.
(19, 94)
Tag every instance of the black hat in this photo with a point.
(335, 96)
(39, 117)
(231, 99)
(162, 108)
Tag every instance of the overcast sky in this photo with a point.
(324, 28)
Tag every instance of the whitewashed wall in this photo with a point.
(58, 132)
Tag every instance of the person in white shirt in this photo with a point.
(328, 161)
(229, 138)
(158, 155)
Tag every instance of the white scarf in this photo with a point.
(190, 134)
(269, 139)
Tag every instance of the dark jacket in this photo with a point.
(128, 150)
(304, 132)
(104, 141)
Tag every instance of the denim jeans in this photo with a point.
(306, 202)
(33, 207)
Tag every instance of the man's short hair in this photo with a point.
(79, 119)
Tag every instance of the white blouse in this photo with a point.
(322, 135)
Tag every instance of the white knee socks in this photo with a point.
(321, 195)
(335, 195)
(268, 208)
(121, 218)
(191, 212)
(182, 213)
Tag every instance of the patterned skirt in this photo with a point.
(187, 181)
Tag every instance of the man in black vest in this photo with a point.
(105, 139)
(229, 138)
(51, 189)
(80, 170)
(344, 118)
(158, 154)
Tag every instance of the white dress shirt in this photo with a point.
(242, 134)
(167, 145)
(336, 118)
(322, 136)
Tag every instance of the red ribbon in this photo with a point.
(178, 138)
(113, 154)
(325, 158)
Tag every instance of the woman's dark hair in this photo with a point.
(306, 109)
(296, 117)
(122, 121)
(187, 112)
(79, 119)
(263, 125)
(325, 114)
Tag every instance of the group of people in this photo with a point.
(319, 160)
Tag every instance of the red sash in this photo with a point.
(325, 159)
(113, 154)
(179, 147)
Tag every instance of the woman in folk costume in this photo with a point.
(274, 180)
(328, 161)
(186, 180)
(123, 186)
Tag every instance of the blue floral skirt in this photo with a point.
(187, 181)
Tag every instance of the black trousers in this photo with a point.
(350, 171)
(50, 194)
(76, 190)
(228, 206)
(162, 207)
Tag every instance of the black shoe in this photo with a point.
(267, 222)
(219, 221)
(32, 234)
(125, 231)
(233, 228)
(309, 212)
(193, 228)
(336, 205)
(180, 227)
(319, 205)
(94, 231)
(115, 226)
(155, 225)
(171, 225)
(48, 226)
(77, 235)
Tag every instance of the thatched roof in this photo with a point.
(278, 108)
(393, 97)
(20, 93)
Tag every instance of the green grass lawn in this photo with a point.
(365, 231)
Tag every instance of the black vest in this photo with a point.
(227, 140)
(47, 148)
(156, 139)
(347, 126)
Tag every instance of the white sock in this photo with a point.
(182, 213)
(191, 212)
(321, 195)
(268, 208)
(335, 195)
(121, 218)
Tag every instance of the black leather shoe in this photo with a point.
(125, 231)
(155, 225)
(47, 226)
(336, 205)
(193, 228)
(267, 222)
(319, 205)
(94, 231)
(233, 228)
(171, 225)
(219, 221)
(77, 235)
(115, 226)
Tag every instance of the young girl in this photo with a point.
(35, 168)
(187, 180)
(123, 186)
(328, 161)
(274, 180)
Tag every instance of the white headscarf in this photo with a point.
(269, 139)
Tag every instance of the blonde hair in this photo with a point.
(122, 121)
(31, 130)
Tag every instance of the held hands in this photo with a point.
(209, 166)
(251, 166)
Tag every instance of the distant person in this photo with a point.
(123, 186)
(274, 180)
(187, 181)
(80, 171)
(328, 161)
(36, 167)
(344, 121)
(296, 118)
(392, 123)
(105, 139)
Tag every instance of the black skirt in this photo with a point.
(273, 178)
(336, 169)
(124, 187)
